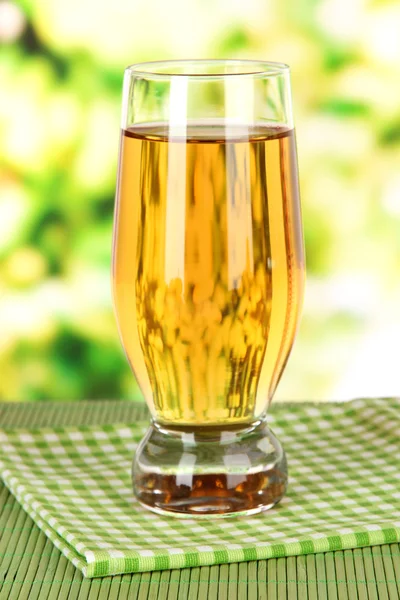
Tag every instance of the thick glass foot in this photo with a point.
(202, 471)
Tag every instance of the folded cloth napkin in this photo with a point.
(344, 492)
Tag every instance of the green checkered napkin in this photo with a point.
(344, 492)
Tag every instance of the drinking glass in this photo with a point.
(208, 276)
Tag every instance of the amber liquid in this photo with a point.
(208, 267)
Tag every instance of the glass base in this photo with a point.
(203, 471)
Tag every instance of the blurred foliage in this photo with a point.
(61, 68)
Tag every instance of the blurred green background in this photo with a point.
(61, 68)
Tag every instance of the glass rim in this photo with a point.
(163, 69)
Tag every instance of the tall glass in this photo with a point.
(208, 276)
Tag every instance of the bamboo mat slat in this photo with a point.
(31, 568)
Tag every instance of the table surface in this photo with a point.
(32, 568)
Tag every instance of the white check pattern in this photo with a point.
(344, 492)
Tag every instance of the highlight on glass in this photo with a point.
(208, 276)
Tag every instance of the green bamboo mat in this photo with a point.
(31, 568)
